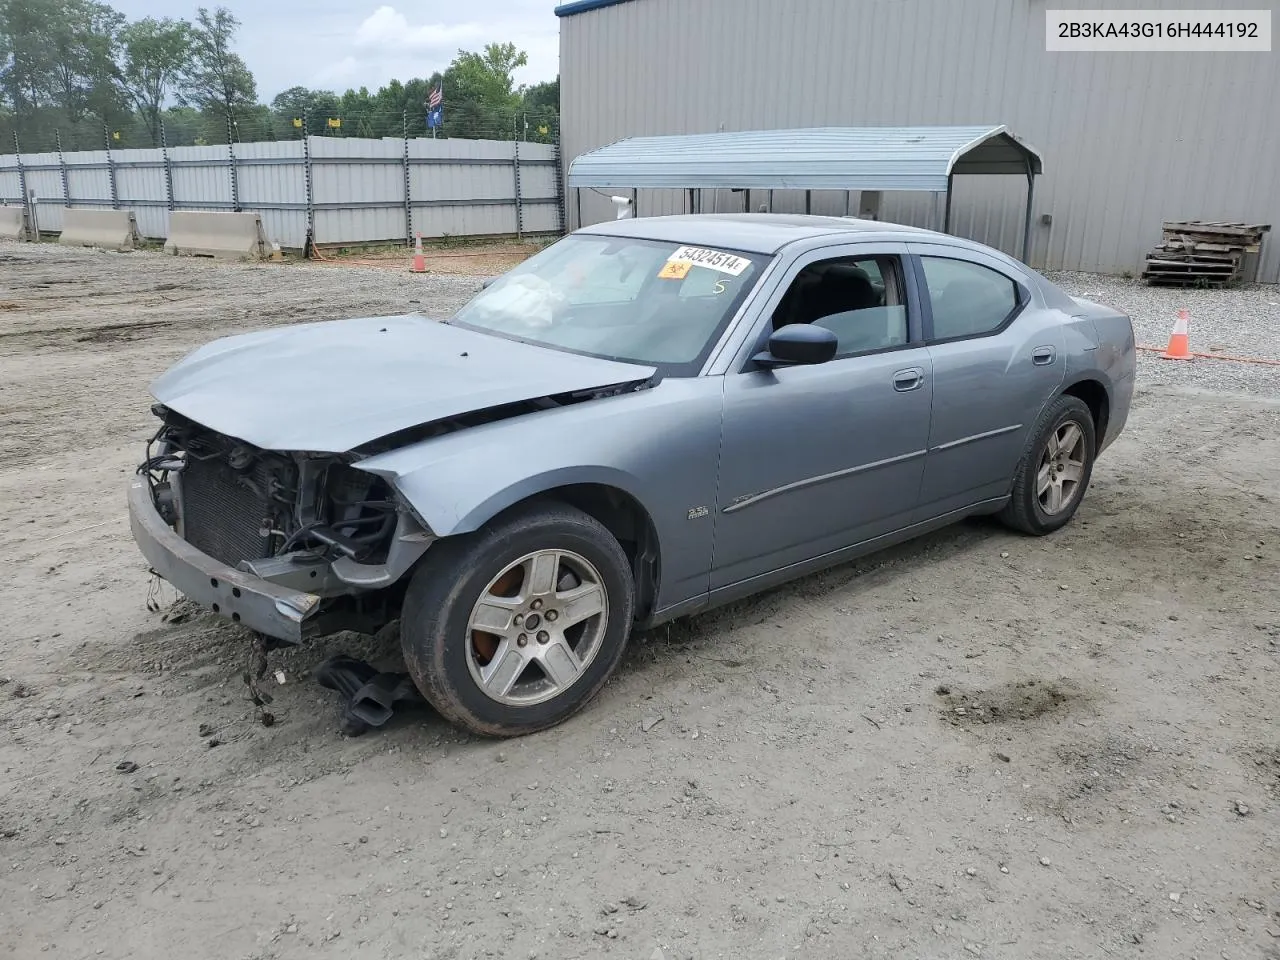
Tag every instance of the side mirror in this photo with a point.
(487, 282)
(798, 343)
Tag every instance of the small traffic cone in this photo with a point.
(419, 261)
(1179, 343)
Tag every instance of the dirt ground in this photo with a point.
(975, 745)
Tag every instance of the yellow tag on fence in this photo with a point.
(674, 270)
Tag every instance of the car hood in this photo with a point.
(330, 387)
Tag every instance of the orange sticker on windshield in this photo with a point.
(674, 270)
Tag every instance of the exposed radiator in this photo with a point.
(221, 516)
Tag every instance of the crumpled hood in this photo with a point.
(329, 387)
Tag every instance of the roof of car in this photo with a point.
(754, 232)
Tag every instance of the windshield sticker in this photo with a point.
(711, 259)
(674, 270)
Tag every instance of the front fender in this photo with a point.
(661, 446)
(467, 516)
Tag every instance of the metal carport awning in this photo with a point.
(814, 158)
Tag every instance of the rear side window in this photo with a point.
(968, 300)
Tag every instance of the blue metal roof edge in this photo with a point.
(584, 6)
(800, 174)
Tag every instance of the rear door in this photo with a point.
(817, 458)
(997, 358)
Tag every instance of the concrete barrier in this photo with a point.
(13, 225)
(108, 229)
(227, 236)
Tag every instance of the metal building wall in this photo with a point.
(1129, 139)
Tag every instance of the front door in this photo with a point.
(817, 458)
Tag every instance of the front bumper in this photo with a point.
(252, 602)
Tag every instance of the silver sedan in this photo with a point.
(648, 418)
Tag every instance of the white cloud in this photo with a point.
(388, 29)
(335, 44)
(337, 74)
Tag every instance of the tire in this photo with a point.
(532, 671)
(1031, 507)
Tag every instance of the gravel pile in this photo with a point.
(1241, 322)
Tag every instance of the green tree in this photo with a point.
(488, 77)
(58, 68)
(312, 107)
(182, 126)
(156, 54)
(541, 108)
(479, 92)
(83, 37)
(218, 83)
(26, 54)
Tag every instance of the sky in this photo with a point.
(336, 44)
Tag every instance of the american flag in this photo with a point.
(436, 98)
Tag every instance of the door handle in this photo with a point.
(909, 379)
(1043, 355)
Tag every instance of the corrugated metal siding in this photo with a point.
(201, 177)
(140, 187)
(1128, 139)
(378, 180)
(44, 177)
(270, 174)
(459, 188)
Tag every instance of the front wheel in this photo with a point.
(515, 628)
(1054, 472)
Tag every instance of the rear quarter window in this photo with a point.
(967, 299)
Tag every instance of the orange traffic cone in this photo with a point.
(419, 261)
(1179, 343)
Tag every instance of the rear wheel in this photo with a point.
(517, 627)
(1054, 473)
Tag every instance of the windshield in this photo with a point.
(645, 301)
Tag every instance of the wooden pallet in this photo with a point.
(1202, 252)
(1216, 228)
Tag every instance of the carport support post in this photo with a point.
(808, 201)
(689, 194)
(111, 169)
(1026, 221)
(62, 169)
(577, 204)
(635, 203)
(946, 215)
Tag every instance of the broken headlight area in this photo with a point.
(243, 505)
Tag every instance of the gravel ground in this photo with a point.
(1243, 322)
(974, 745)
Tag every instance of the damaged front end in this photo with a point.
(291, 544)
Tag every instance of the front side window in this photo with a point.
(968, 299)
(620, 298)
(859, 299)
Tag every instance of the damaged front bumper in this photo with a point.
(281, 612)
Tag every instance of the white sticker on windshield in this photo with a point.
(711, 259)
